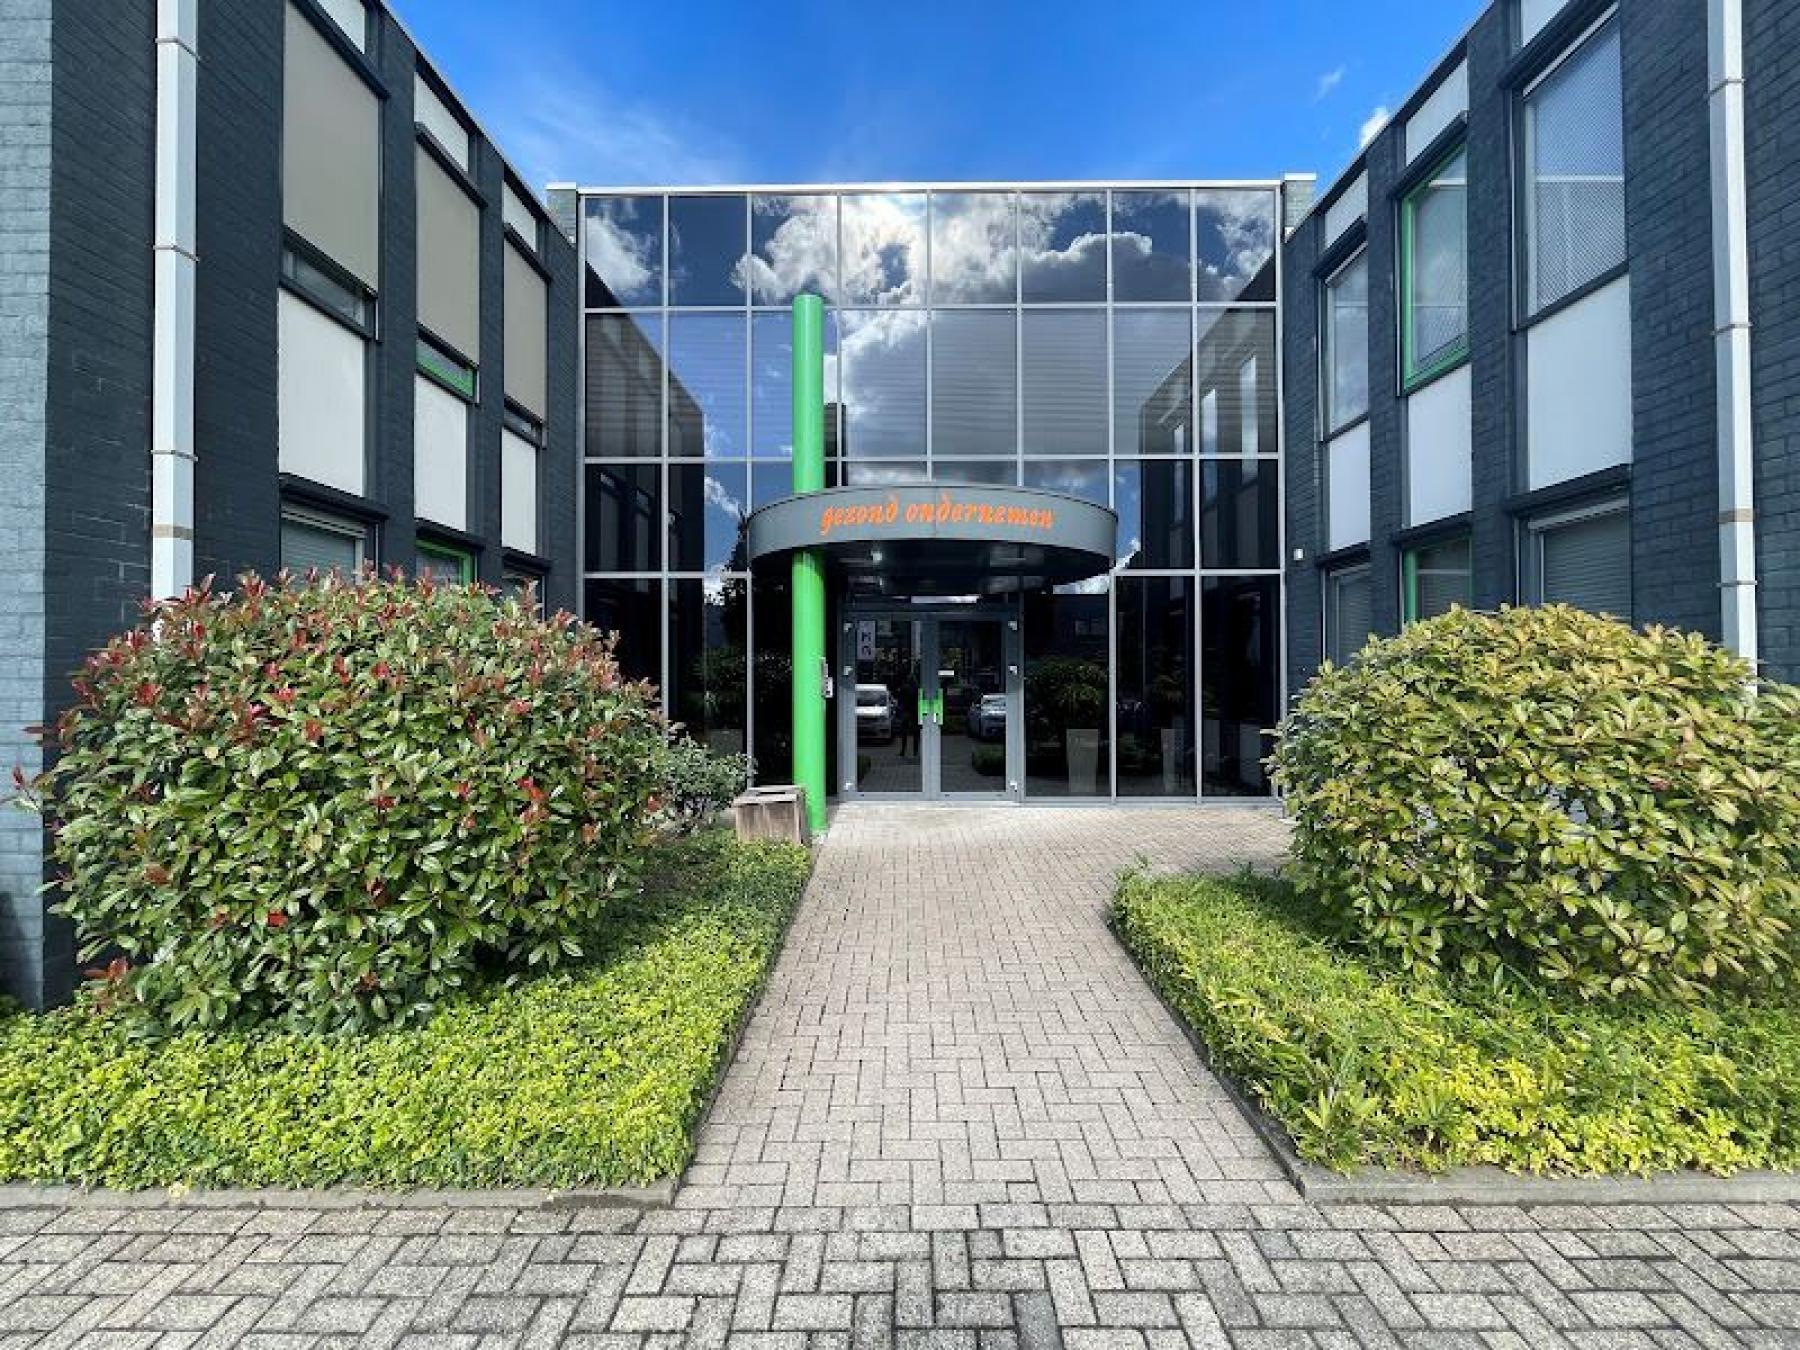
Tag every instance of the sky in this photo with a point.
(706, 91)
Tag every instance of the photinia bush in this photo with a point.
(1546, 793)
(328, 804)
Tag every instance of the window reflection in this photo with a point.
(633, 611)
(709, 673)
(708, 504)
(1084, 478)
(772, 385)
(1240, 682)
(1235, 231)
(624, 518)
(1240, 514)
(1067, 726)
(1154, 500)
(624, 241)
(1062, 247)
(1150, 246)
(706, 387)
(793, 248)
(882, 359)
(1152, 370)
(1236, 375)
(884, 248)
(1002, 471)
(974, 260)
(1155, 687)
(1064, 374)
(706, 250)
(772, 673)
(624, 386)
(974, 383)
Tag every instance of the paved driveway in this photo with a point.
(958, 1119)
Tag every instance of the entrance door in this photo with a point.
(930, 706)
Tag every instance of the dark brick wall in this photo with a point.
(395, 357)
(562, 453)
(1301, 469)
(25, 144)
(237, 498)
(97, 451)
(1668, 231)
(1674, 474)
(1492, 352)
(1772, 41)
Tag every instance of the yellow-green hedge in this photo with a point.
(592, 1076)
(1367, 1065)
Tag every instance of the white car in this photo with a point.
(987, 717)
(875, 713)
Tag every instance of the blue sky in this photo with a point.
(695, 91)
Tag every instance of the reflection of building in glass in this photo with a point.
(1117, 344)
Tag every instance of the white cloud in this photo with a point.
(563, 125)
(1372, 125)
(720, 498)
(1328, 83)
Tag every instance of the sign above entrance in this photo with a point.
(942, 538)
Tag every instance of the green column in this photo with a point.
(809, 568)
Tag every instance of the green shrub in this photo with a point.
(699, 783)
(593, 1075)
(328, 804)
(1550, 795)
(1365, 1064)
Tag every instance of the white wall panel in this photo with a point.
(322, 403)
(1578, 388)
(1534, 15)
(1349, 208)
(1439, 437)
(432, 113)
(515, 212)
(440, 455)
(1347, 491)
(518, 492)
(353, 17)
(1448, 101)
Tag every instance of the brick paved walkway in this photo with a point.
(958, 1119)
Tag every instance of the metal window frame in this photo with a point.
(342, 526)
(1413, 378)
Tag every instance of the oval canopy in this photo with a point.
(942, 538)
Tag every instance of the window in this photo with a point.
(1582, 559)
(1434, 578)
(1434, 272)
(441, 562)
(1575, 171)
(323, 544)
(448, 369)
(1349, 621)
(330, 150)
(1346, 328)
(322, 377)
(328, 286)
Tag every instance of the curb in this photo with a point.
(639, 1199)
(1469, 1185)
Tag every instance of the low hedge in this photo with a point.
(595, 1075)
(1369, 1065)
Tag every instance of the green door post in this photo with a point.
(810, 668)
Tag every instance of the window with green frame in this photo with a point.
(1434, 272)
(441, 562)
(1434, 577)
(447, 368)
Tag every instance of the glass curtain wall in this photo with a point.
(1115, 344)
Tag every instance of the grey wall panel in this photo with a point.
(331, 152)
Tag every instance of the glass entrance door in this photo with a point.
(930, 706)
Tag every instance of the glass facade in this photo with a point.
(1114, 344)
